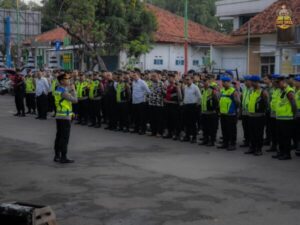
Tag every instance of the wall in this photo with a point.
(169, 53)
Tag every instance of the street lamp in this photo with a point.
(186, 36)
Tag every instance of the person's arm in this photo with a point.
(198, 94)
(71, 96)
(237, 100)
(145, 87)
(291, 98)
(179, 93)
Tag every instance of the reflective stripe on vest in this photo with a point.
(82, 89)
(63, 106)
(206, 96)
(227, 104)
(254, 98)
(246, 96)
(94, 89)
(284, 109)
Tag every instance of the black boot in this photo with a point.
(250, 151)
(258, 152)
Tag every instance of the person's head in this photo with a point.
(108, 76)
(281, 82)
(247, 81)
(226, 81)
(172, 78)
(291, 81)
(135, 76)
(188, 80)
(255, 81)
(82, 77)
(39, 74)
(64, 79)
(267, 80)
(154, 77)
(206, 83)
(297, 81)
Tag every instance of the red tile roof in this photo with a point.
(265, 22)
(171, 30)
(57, 34)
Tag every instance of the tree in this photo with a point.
(103, 26)
(200, 11)
(12, 4)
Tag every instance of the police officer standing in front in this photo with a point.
(64, 96)
(285, 113)
(229, 103)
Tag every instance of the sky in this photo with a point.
(37, 1)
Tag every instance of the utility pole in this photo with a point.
(186, 37)
(18, 35)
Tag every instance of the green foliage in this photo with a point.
(200, 11)
(113, 25)
(12, 4)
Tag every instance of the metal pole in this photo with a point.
(249, 42)
(186, 37)
(18, 34)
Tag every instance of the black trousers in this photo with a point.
(274, 134)
(83, 110)
(210, 127)
(190, 115)
(30, 102)
(268, 127)
(123, 115)
(42, 106)
(95, 111)
(19, 101)
(229, 129)
(111, 109)
(297, 125)
(172, 115)
(285, 133)
(63, 129)
(156, 119)
(245, 124)
(51, 103)
(139, 117)
(256, 131)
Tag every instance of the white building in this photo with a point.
(168, 50)
(240, 11)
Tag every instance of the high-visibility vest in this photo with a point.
(54, 85)
(63, 106)
(284, 109)
(207, 101)
(29, 83)
(297, 98)
(82, 88)
(94, 89)
(227, 103)
(274, 100)
(119, 91)
(256, 103)
(245, 101)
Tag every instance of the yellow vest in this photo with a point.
(29, 82)
(254, 98)
(63, 107)
(227, 104)
(284, 109)
(82, 89)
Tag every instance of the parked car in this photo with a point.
(7, 77)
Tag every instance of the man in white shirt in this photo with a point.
(192, 98)
(42, 89)
(139, 91)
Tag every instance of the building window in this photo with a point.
(195, 62)
(158, 62)
(179, 62)
(267, 65)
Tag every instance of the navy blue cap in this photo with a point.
(247, 77)
(225, 78)
(275, 76)
(255, 78)
(297, 78)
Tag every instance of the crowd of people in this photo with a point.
(167, 105)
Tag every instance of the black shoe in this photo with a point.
(33, 113)
(57, 159)
(203, 142)
(271, 150)
(23, 115)
(245, 145)
(193, 140)
(258, 153)
(249, 152)
(277, 156)
(91, 125)
(175, 138)
(107, 128)
(167, 136)
(223, 146)
(17, 114)
(231, 148)
(65, 161)
(211, 144)
(285, 157)
(28, 112)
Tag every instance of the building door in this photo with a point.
(267, 65)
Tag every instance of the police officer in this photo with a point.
(210, 109)
(286, 110)
(82, 94)
(123, 95)
(19, 91)
(297, 120)
(246, 91)
(95, 97)
(229, 103)
(64, 96)
(257, 107)
(30, 93)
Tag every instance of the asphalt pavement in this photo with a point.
(126, 179)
